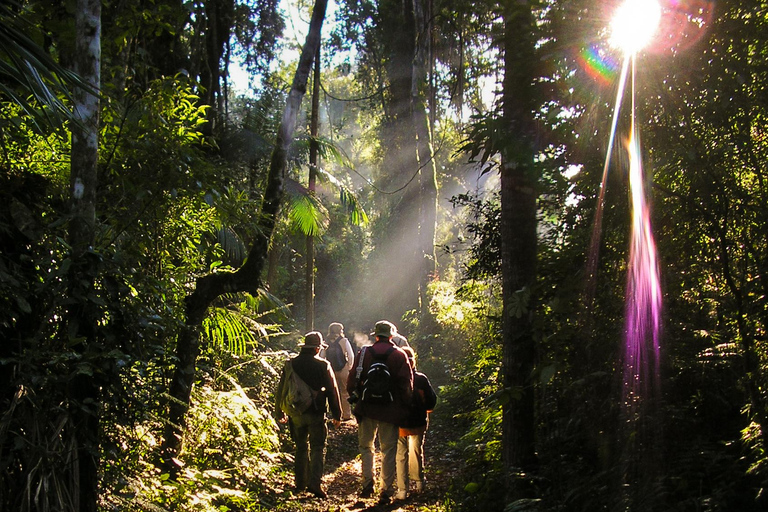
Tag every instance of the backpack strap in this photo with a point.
(359, 369)
(382, 358)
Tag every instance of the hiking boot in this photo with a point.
(367, 491)
(418, 487)
(401, 495)
(384, 499)
(317, 493)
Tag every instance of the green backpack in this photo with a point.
(298, 397)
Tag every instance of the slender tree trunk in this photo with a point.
(518, 247)
(314, 149)
(248, 277)
(424, 158)
(83, 389)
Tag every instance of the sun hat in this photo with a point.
(313, 339)
(383, 328)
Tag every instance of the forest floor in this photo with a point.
(343, 473)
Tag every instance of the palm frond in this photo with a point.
(28, 69)
(330, 151)
(347, 198)
(269, 305)
(240, 320)
(228, 328)
(232, 245)
(306, 213)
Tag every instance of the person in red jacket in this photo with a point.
(380, 413)
(410, 455)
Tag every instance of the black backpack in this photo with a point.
(377, 384)
(336, 355)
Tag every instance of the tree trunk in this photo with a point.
(404, 259)
(396, 259)
(248, 277)
(83, 390)
(518, 247)
(425, 160)
(314, 149)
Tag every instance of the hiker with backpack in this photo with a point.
(410, 455)
(339, 353)
(381, 384)
(307, 386)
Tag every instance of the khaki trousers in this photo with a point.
(410, 461)
(388, 435)
(341, 383)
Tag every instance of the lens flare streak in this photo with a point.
(643, 294)
(598, 225)
(643, 302)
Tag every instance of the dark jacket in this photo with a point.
(317, 373)
(401, 374)
(424, 399)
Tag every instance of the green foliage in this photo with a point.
(229, 450)
(29, 77)
(307, 215)
(465, 358)
(347, 199)
(226, 427)
(237, 323)
(228, 328)
(306, 212)
(177, 199)
(707, 149)
(482, 224)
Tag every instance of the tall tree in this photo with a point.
(83, 315)
(248, 277)
(396, 42)
(518, 236)
(425, 157)
(314, 129)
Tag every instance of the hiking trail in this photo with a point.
(343, 472)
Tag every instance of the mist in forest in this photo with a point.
(385, 285)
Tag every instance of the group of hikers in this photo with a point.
(379, 387)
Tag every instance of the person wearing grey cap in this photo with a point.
(379, 411)
(308, 429)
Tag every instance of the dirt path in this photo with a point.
(342, 478)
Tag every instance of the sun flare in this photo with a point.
(634, 23)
